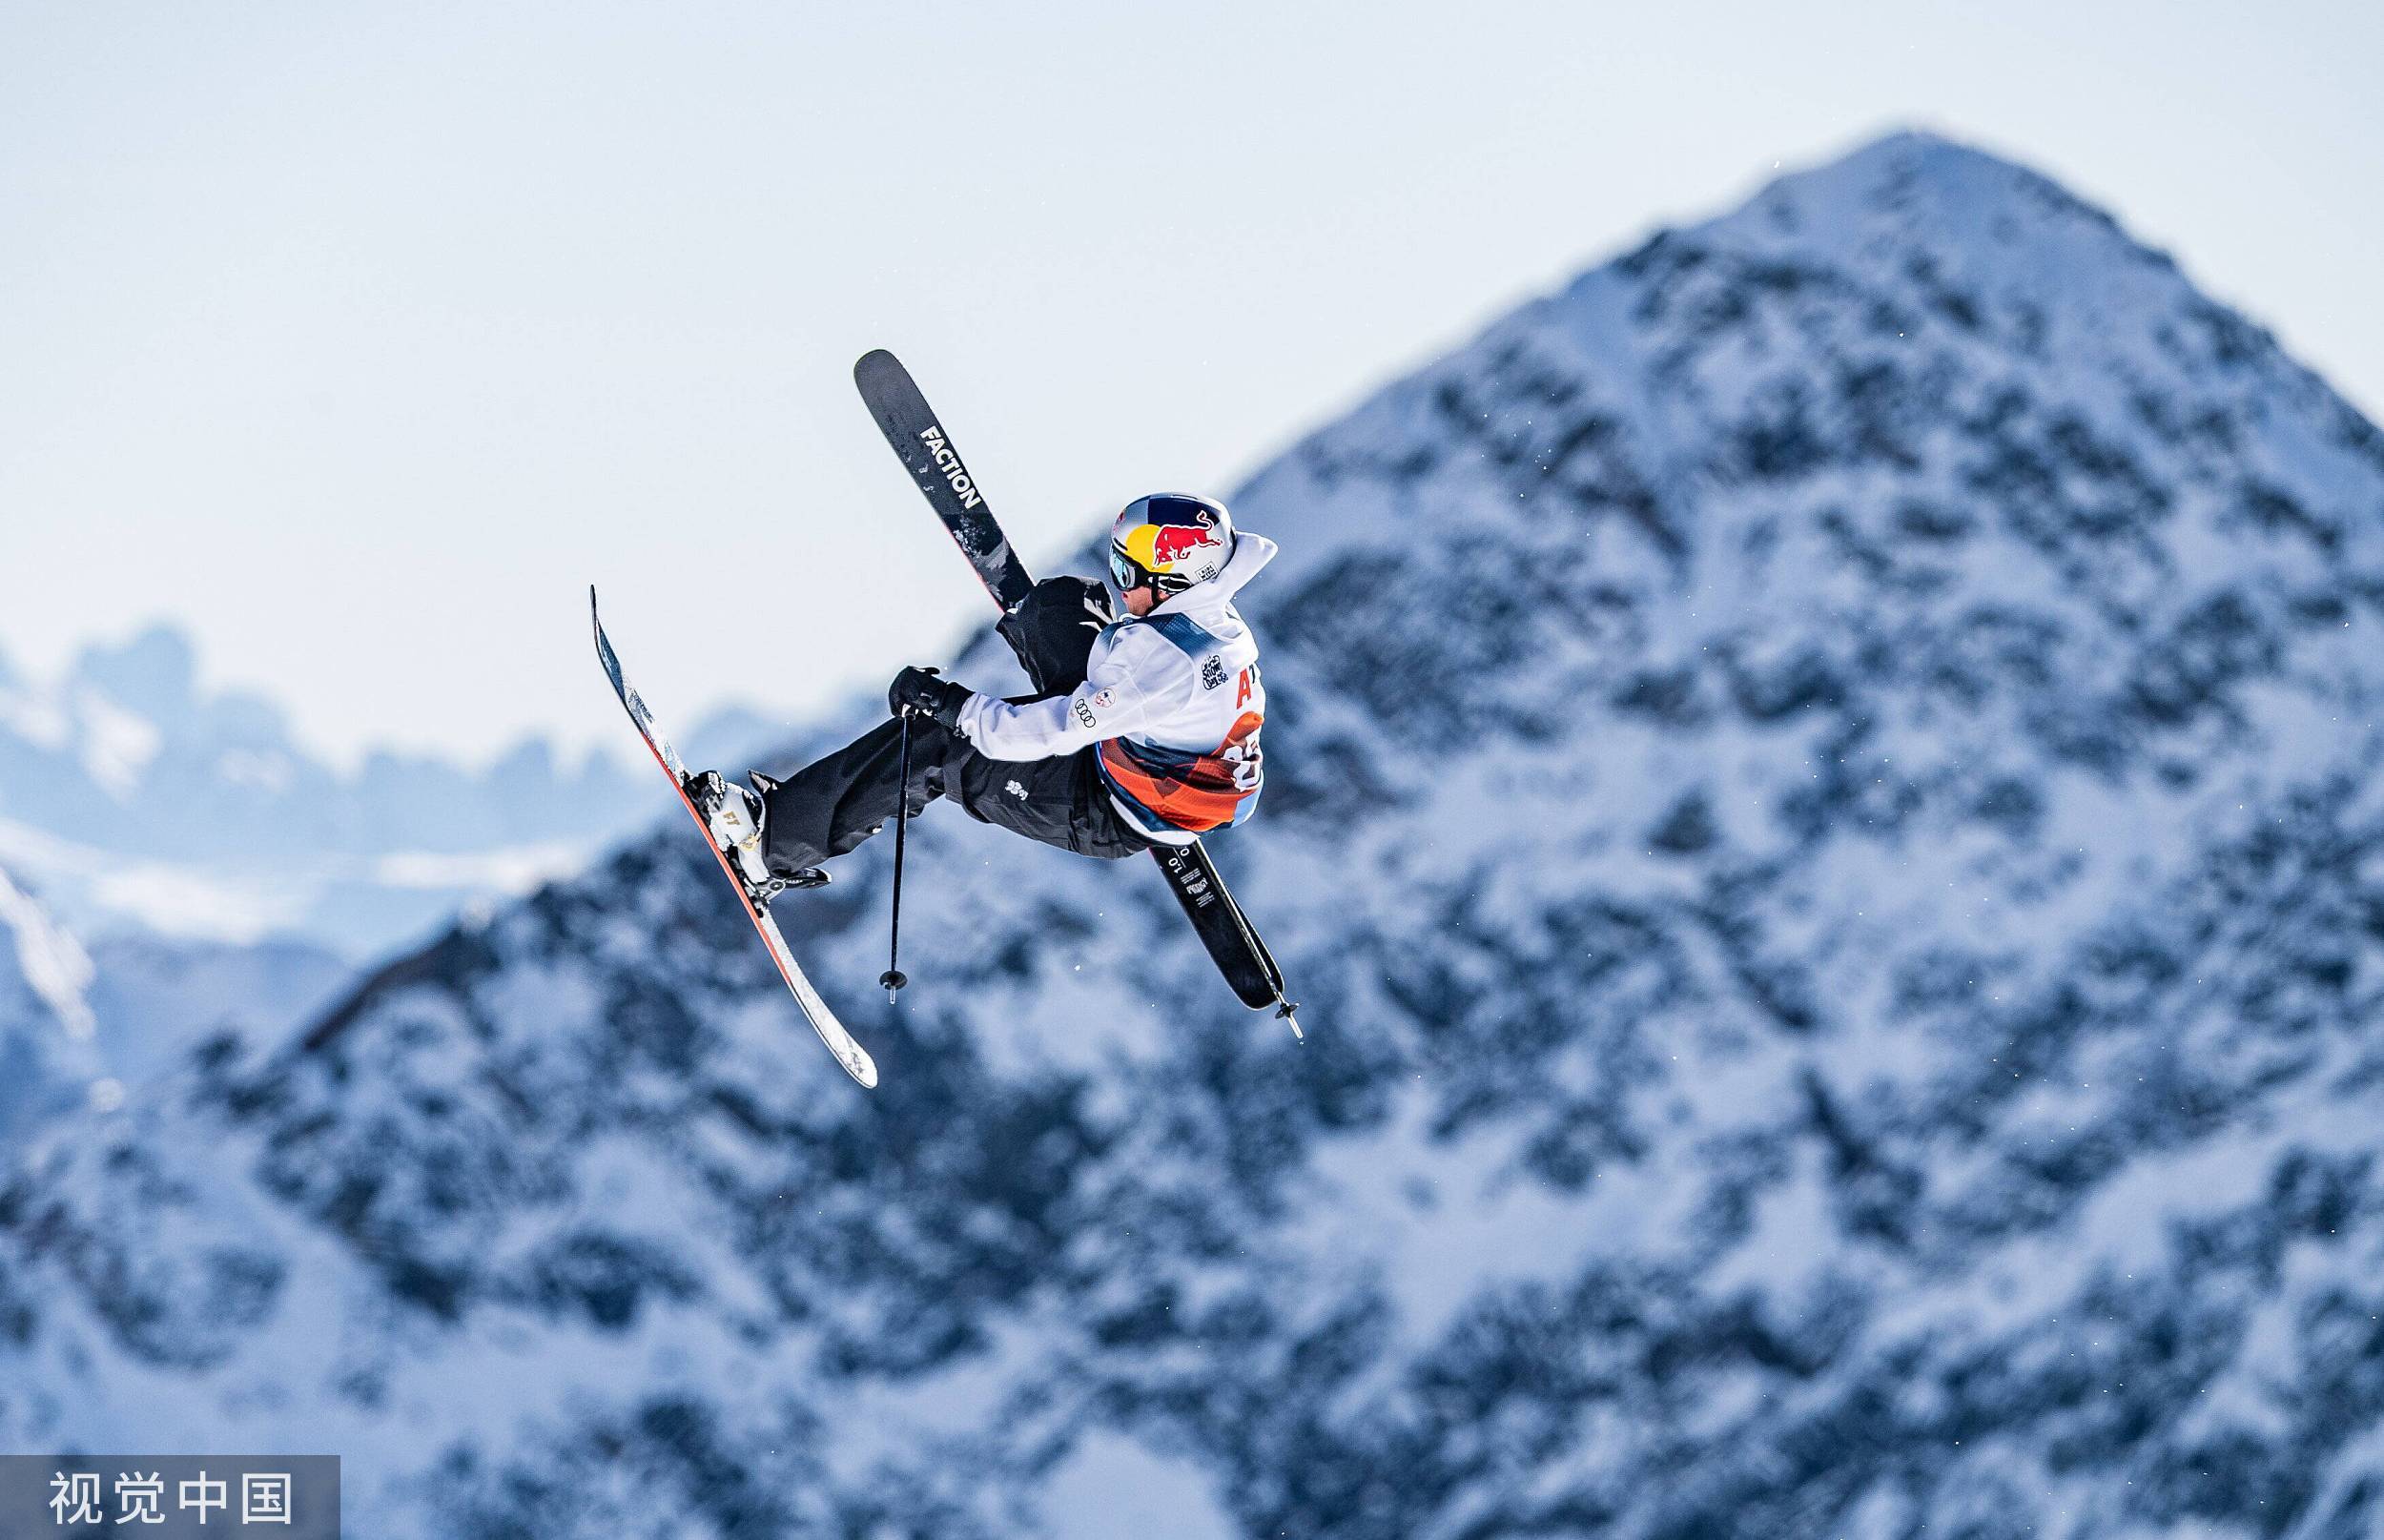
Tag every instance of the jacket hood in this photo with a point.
(1250, 552)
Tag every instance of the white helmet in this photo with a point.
(1169, 540)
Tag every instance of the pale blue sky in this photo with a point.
(360, 339)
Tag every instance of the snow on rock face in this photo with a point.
(51, 964)
(85, 1028)
(1837, 878)
(48, 1062)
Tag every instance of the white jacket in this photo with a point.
(1174, 700)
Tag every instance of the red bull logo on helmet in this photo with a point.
(1166, 548)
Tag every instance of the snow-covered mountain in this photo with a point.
(1822, 810)
(131, 794)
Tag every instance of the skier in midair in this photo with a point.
(1144, 729)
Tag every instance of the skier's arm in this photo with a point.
(1124, 687)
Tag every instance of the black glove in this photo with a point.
(1052, 630)
(921, 691)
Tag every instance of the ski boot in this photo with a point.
(735, 815)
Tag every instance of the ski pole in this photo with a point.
(892, 978)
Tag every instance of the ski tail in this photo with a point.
(631, 700)
(1233, 942)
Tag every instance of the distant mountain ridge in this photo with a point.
(127, 792)
(1822, 803)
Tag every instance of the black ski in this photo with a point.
(926, 451)
(909, 425)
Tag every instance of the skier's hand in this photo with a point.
(922, 690)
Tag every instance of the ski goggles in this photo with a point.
(1125, 571)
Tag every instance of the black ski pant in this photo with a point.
(832, 804)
